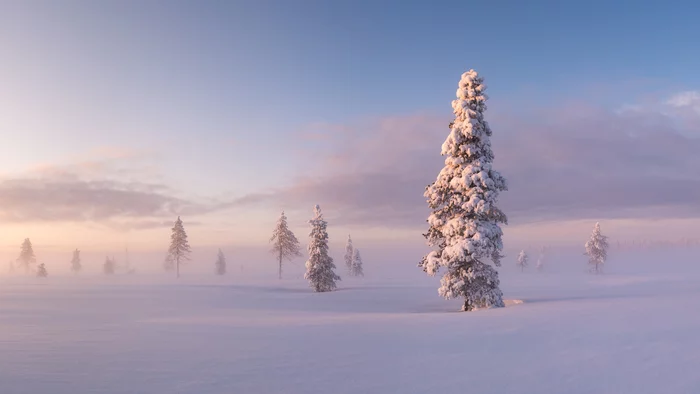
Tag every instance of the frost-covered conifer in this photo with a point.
(284, 243)
(168, 263)
(41, 271)
(349, 250)
(522, 260)
(356, 268)
(26, 255)
(75, 265)
(597, 249)
(319, 266)
(220, 263)
(540, 259)
(109, 266)
(179, 250)
(465, 223)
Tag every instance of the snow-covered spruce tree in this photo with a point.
(75, 265)
(522, 260)
(349, 253)
(41, 271)
(109, 266)
(168, 263)
(26, 255)
(179, 250)
(220, 263)
(356, 269)
(540, 259)
(465, 223)
(284, 244)
(319, 266)
(597, 249)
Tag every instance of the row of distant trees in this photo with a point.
(320, 270)
(285, 247)
(596, 250)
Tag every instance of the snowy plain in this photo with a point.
(635, 329)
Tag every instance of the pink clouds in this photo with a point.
(573, 162)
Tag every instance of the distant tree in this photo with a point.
(75, 265)
(356, 268)
(349, 250)
(597, 249)
(319, 267)
(220, 263)
(109, 266)
(168, 263)
(26, 255)
(284, 244)
(41, 271)
(179, 250)
(540, 259)
(465, 221)
(522, 260)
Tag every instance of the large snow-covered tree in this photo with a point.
(464, 227)
(356, 268)
(522, 260)
(179, 250)
(284, 243)
(26, 255)
(75, 264)
(41, 271)
(220, 263)
(349, 253)
(597, 249)
(319, 267)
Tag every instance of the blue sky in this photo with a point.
(218, 101)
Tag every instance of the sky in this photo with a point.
(118, 116)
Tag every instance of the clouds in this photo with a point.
(570, 162)
(111, 190)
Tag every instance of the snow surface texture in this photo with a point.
(465, 222)
(631, 330)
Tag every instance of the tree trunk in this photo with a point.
(280, 269)
(466, 307)
(177, 264)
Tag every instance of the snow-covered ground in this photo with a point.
(635, 329)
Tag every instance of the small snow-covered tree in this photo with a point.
(220, 263)
(522, 260)
(179, 250)
(465, 221)
(41, 271)
(75, 265)
(349, 253)
(540, 259)
(356, 268)
(109, 266)
(168, 263)
(26, 255)
(597, 249)
(284, 243)
(319, 266)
